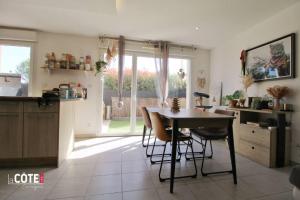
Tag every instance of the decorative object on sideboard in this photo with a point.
(236, 99)
(278, 92)
(272, 60)
(243, 61)
(231, 101)
(175, 105)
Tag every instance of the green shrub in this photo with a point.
(145, 81)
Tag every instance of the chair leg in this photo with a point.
(152, 151)
(202, 165)
(201, 152)
(178, 177)
(144, 134)
(161, 163)
(179, 151)
(194, 159)
(211, 150)
(148, 155)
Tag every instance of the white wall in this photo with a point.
(226, 67)
(88, 112)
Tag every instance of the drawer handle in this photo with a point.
(253, 131)
(237, 113)
(252, 147)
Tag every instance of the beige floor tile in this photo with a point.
(107, 168)
(134, 166)
(208, 190)
(239, 191)
(70, 187)
(123, 167)
(137, 181)
(267, 184)
(281, 196)
(141, 195)
(26, 192)
(105, 184)
(115, 196)
(78, 171)
(181, 192)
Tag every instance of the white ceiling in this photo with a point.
(171, 20)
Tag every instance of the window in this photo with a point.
(15, 61)
(139, 90)
(178, 84)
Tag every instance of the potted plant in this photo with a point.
(240, 96)
(232, 102)
(236, 97)
(100, 66)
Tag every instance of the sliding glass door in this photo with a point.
(139, 90)
(146, 91)
(116, 120)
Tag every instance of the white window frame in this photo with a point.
(135, 55)
(31, 46)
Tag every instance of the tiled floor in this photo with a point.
(115, 168)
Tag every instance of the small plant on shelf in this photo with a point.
(100, 66)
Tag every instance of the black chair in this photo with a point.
(208, 134)
(165, 135)
(199, 105)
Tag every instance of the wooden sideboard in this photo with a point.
(267, 146)
(32, 134)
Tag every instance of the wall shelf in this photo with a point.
(63, 69)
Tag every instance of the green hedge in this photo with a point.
(146, 81)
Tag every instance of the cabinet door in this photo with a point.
(40, 135)
(11, 135)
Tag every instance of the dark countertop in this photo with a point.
(16, 98)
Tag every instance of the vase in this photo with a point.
(276, 105)
(232, 103)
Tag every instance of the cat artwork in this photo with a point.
(278, 65)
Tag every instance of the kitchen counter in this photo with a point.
(33, 134)
(16, 98)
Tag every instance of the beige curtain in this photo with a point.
(161, 54)
(121, 47)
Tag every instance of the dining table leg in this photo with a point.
(232, 153)
(173, 157)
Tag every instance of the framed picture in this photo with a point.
(273, 60)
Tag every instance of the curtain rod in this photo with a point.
(149, 42)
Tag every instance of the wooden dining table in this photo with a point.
(195, 118)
